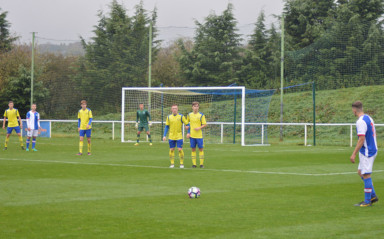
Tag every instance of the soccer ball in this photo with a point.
(194, 192)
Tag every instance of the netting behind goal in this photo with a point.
(223, 107)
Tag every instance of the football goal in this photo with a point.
(233, 114)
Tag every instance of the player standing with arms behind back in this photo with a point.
(84, 126)
(174, 125)
(33, 127)
(196, 122)
(12, 114)
(145, 120)
(367, 148)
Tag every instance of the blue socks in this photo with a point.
(33, 143)
(373, 194)
(368, 190)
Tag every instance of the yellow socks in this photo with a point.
(89, 147)
(193, 158)
(21, 140)
(172, 156)
(81, 147)
(181, 155)
(6, 142)
(201, 157)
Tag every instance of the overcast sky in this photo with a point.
(69, 19)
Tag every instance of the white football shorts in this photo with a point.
(366, 163)
(32, 133)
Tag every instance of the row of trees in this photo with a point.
(336, 43)
(116, 56)
(217, 55)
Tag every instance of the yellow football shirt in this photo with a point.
(84, 116)
(175, 123)
(12, 116)
(196, 120)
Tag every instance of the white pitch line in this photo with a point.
(292, 150)
(205, 169)
(270, 151)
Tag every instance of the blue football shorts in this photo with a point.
(198, 142)
(10, 129)
(173, 143)
(86, 132)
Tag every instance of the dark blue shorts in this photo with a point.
(198, 142)
(10, 129)
(173, 143)
(85, 132)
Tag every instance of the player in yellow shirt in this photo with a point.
(84, 126)
(174, 125)
(12, 114)
(196, 122)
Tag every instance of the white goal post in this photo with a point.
(219, 104)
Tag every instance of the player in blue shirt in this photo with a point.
(33, 127)
(367, 148)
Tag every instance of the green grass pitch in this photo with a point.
(123, 191)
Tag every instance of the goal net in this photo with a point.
(233, 114)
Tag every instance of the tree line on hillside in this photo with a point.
(335, 43)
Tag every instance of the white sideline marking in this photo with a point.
(293, 150)
(205, 169)
(269, 151)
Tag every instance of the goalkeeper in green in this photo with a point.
(145, 121)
